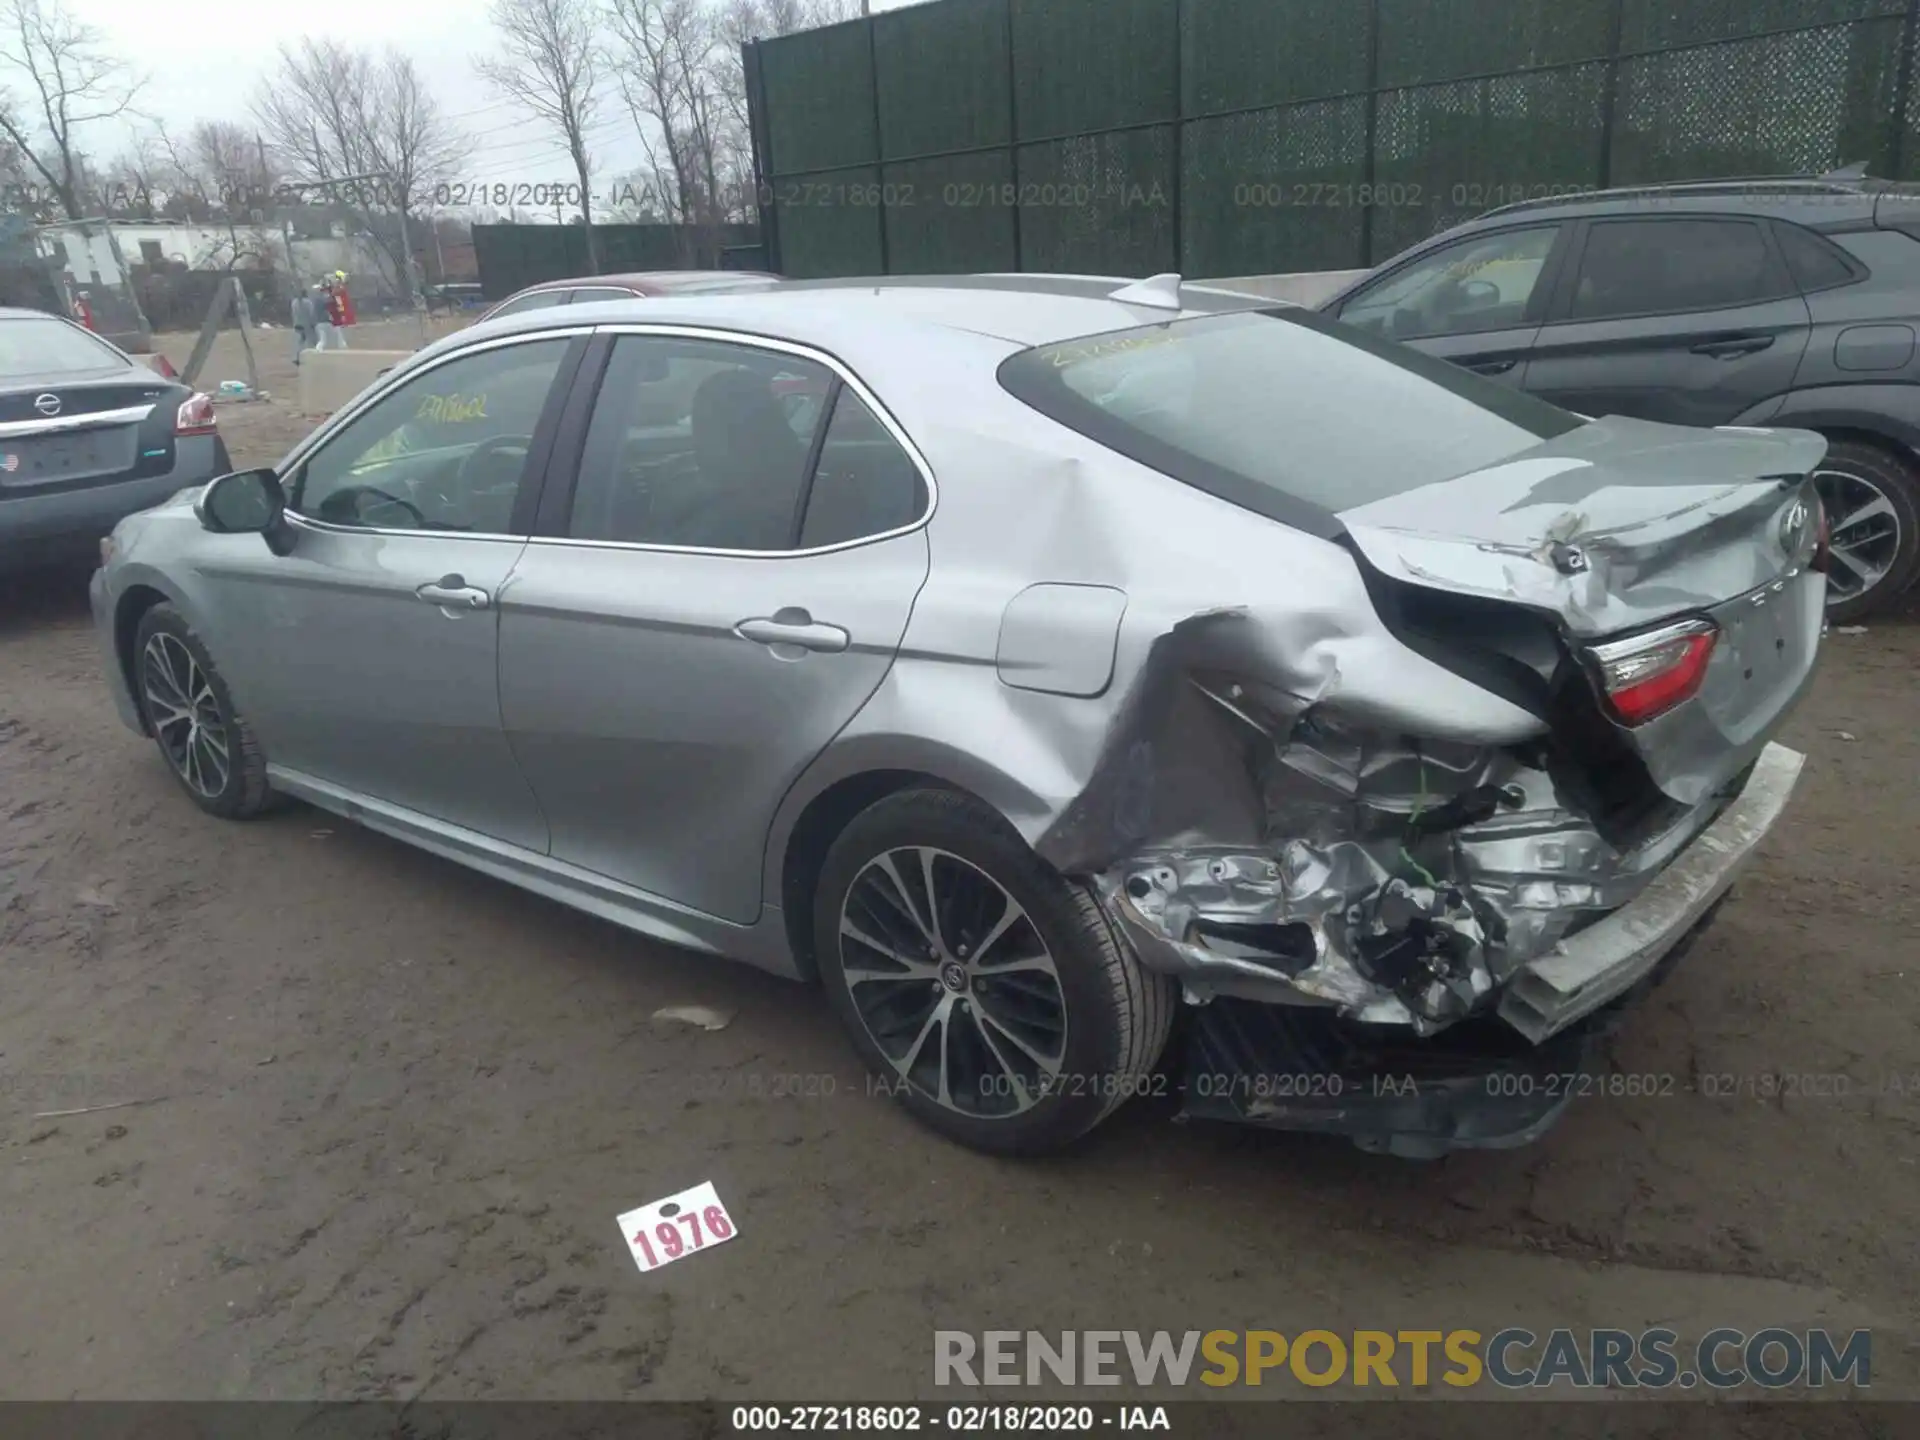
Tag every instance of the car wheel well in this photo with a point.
(819, 825)
(126, 626)
(1879, 440)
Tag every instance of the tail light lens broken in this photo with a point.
(1646, 676)
(195, 416)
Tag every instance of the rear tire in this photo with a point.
(1007, 1014)
(207, 744)
(1872, 497)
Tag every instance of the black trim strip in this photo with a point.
(805, 498)
(553, 509)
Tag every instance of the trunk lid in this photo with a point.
(1611, 527)
(1620, 527)
(72, 433)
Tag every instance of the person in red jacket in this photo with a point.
(83, 309)
(348, 317)
(338, 309)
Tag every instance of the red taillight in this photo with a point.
(1647, 676)
(195, 416)
(1823, 541)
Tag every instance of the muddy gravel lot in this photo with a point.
(387, 1111)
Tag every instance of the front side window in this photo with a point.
(1664, 267)
(447, 450)
(698, 444)
(1479, 284)
(1285, 412)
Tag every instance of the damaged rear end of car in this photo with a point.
(1406, 891)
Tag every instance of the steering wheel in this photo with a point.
(469, 476)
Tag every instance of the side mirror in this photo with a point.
(247, 502)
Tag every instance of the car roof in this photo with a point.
(1017, 310)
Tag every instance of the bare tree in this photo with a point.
(71, 80)
(742, 20)
(651, 36)
(221, 172)
(334, 112)
(549, 68)
(139, 181)
(738, 22)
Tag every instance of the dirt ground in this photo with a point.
(389, 1110)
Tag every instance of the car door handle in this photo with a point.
(794, 627)
(1731, 347)
(451, 592)
(1491, 367)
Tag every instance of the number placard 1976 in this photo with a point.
(676, 1227)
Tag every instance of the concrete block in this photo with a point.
(329, 379)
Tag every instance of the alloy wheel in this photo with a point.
(1864, 530)
(953, 982)
(185, 714)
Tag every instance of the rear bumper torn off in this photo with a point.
(1597, 964)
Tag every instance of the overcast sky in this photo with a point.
(206, 63)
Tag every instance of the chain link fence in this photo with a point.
(1241, 137)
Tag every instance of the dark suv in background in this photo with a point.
(1789, 303)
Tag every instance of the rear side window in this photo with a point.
(698, 444)
(1663, 267)
(1285, 412)
(599, 293)
(865, 484)
(1816, 264)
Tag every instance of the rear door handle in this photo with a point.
(1731, 347)
(451, 592)
(1491, 367)
(794, 627)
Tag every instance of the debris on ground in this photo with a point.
(96, 1109)
(1851, 630)
(1847, 735)
(705, 1017)
(671, 1229)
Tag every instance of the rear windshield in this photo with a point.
(1284, 412)
(35, 349)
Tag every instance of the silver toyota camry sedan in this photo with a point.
(1047, 667)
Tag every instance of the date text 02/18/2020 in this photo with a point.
(954, 1419)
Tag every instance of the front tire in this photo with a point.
(1872, 500)
(206, 742)
(990, 994)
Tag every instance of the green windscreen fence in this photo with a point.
(512, 257)
(1242, 137)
